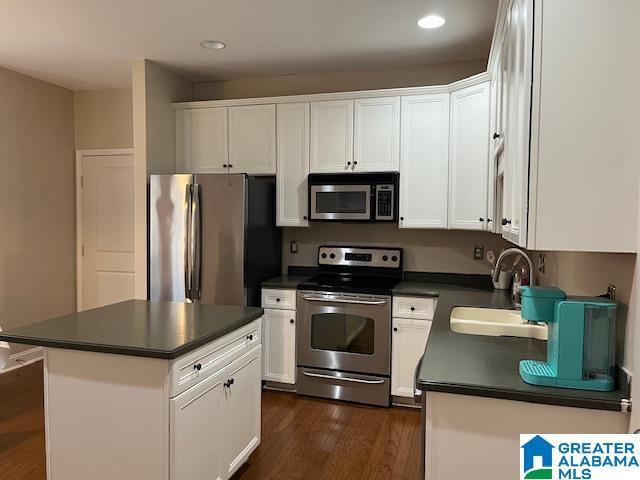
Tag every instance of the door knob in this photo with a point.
(249, 337)
(291, 321)
(496, 135)
(505, 221)
(197, 366)
(395, 329)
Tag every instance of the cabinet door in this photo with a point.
(331, 136)
(376, 144)
(424, 161)
(201, 140)
(279, 346)
(252, 139)
(292, 164)
(518, 44)
(408, 343)
(241, 431)
(196, 432)
(468, 158)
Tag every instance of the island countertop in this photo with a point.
(139, 328)
(482, 365)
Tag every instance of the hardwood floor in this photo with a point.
(308, 438)
(302, 438)
(22, 451)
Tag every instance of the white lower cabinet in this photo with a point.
(215, 425)
(241, 410)
(196, 440)
(279, 337)
(409, 342)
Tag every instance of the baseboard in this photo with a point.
(22, 359)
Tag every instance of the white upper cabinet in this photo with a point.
(292, 164)
(252, 139)
(377, 134)
(424, 161)
(331, 136)
(468, 157)
(201, 140)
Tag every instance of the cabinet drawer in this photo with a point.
(414, 307)
(196, 366)
(279, 299)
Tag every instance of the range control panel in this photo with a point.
(360, 257)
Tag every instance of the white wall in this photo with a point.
(37, 201)
(436, 74)
(154, 89)
(424, 250)
(103, 118)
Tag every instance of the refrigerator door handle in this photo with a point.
(196, 244)
(187, 242)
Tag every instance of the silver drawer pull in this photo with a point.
(347, 379)
(341, 300)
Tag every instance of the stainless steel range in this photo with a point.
(344, 324)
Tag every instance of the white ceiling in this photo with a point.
(85, 44)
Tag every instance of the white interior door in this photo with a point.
(106, 229)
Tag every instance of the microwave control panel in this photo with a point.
(384, 202)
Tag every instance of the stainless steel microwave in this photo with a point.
(354, 197)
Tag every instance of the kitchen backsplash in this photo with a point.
(424, 250)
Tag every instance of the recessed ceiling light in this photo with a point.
(431, 21)
(212, 44)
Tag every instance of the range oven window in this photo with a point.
(341, 202)
(342, 332)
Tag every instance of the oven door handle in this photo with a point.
(342, 300)
(347, 379)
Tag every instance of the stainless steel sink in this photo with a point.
(495, 322)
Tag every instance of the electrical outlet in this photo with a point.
(541, 267)
(293, 246)
(478, 252)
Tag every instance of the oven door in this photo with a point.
(340, 331)
(340, 202)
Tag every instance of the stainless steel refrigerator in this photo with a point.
(212, 238)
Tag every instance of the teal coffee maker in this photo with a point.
(581, 340)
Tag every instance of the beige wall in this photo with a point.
(424, 250)
(154, 89)
(103, 119)
(580, 273)
(37, 229)
(437, 74)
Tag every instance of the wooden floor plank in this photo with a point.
(303, 438)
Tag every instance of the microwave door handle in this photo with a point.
(342, 300)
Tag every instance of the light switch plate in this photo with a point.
(293, 246)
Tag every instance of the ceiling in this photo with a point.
(86, 44)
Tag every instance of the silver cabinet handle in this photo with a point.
(341, 300)
(347, 379)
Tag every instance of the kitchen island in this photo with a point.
(474, 400)
(150, 390)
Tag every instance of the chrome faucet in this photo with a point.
(515, 290)
(513, 251)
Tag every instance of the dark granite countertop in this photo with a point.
(285, 281)
(487, 366)
(137, 327)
